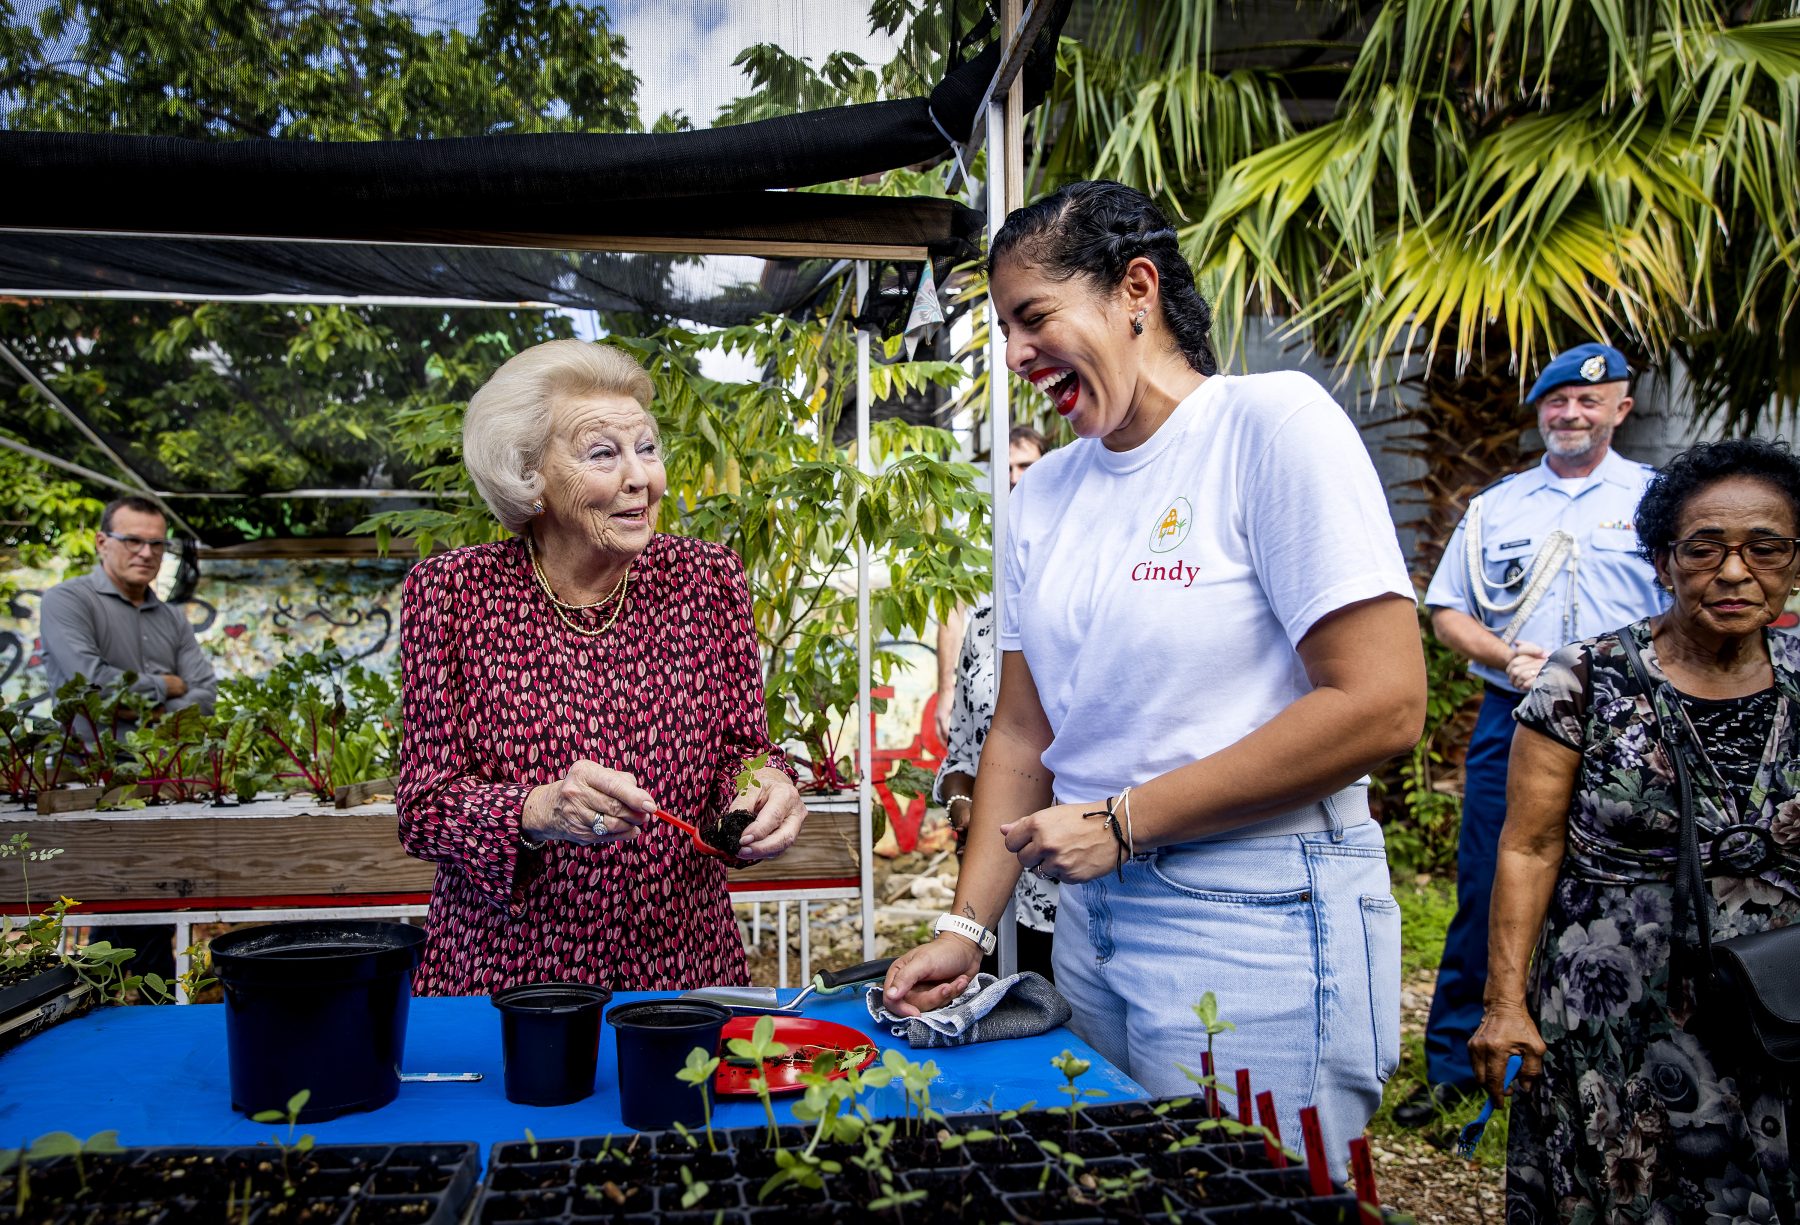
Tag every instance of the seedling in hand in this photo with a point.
(701, 1064)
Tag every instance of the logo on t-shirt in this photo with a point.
(1171, 527)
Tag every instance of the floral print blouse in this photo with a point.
(1637, 1118)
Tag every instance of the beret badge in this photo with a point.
(1594, 368)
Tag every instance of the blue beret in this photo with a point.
(1589, 363)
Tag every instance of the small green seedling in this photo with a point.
(609, 1154)
(531, 1140)
(1073, 1068)
(916, 1079)
(57, 1144)
(692, 1189)
(746, 777)
(290, 1146)
(701, 1064)
(761, 1047)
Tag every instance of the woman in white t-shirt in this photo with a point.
(1208, 632)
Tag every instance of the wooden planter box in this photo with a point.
(297, 852)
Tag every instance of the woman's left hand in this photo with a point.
(779, 814)
(1060, 844)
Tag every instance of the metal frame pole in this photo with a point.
(865, 722)
(999, 426)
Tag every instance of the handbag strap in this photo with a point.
(1690, 882)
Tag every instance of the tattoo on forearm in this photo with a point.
(969, 912)
(1030, 774)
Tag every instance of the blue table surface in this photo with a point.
(159, 1076)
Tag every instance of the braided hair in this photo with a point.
(1094, 229)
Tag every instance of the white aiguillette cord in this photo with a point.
(1559, 548)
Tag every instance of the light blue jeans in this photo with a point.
(1298, 937)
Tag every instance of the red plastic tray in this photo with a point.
(801, 1034)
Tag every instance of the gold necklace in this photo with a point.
(620, 590)
(543, 579)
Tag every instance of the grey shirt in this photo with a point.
(88, 628)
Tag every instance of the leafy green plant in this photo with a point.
(701, 1065)
(1422, 834)
(198, 975)
(289, 1146)
(37, 942)
(78, 741)
(759, 1048)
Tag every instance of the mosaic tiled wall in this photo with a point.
(245, 614)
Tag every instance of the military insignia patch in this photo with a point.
(1594, 368)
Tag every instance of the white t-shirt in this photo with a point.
(1158, 593)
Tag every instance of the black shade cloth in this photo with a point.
(607, 280)
(695, 191)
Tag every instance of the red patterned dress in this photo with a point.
(501, 696)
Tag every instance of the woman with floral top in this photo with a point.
(562, 685)
(1623, 1109)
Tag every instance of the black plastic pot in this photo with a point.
(654, 1038)
(550, 1036)
(319, 1006)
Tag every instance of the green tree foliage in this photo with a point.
(250, 398)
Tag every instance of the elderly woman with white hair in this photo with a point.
(562, 685)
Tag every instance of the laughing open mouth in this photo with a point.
(1061, 384)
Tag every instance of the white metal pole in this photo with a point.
(999, 426)
(865, 723)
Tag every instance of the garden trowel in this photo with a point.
(760, 1001)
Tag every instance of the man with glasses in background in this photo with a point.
(1541, 558)
(109, 622)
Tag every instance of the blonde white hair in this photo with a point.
(510, 420)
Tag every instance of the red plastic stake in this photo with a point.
(1363, 1170)
(1212, 1087)
(1317, 1167)
(1265, 1106)
(1246, 1104)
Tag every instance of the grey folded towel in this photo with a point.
(991, 1009)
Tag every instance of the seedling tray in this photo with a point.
(1198, 1172)
(333, 1184)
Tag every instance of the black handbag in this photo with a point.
(1746, 989)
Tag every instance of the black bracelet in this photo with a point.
(1112, 823)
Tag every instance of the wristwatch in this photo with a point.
(968, 929)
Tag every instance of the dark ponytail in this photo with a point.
(1095, 229)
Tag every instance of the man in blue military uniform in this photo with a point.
(1541, 558)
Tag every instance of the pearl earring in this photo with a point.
(1137, 323)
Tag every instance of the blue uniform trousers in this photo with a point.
(1462, 975)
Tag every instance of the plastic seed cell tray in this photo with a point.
(1140, 1162)
(399, 1184)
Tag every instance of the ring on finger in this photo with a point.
(599, 828)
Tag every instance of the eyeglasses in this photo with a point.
(137, 544)
(1764, 553)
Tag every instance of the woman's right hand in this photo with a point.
(1506, 1030)
(931, 975)
(590, 805)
